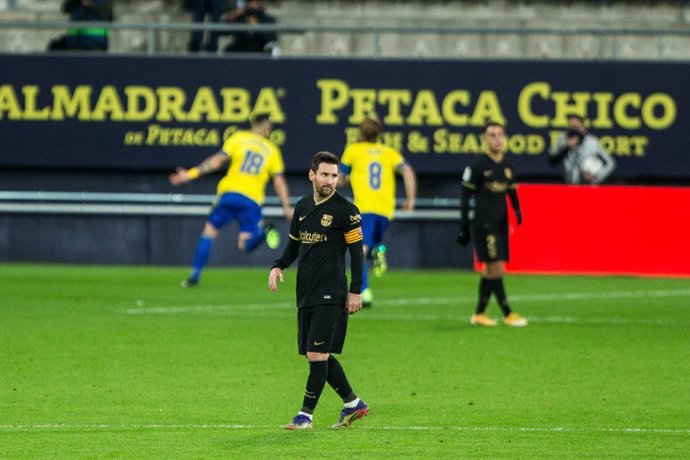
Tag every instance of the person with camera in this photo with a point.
(583, 159)
(251, 12)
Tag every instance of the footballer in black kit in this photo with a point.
(320, 234)
(487, 182)
(324, 226)
(484, 220)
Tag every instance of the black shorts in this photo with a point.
(321, 328)
(491, 242)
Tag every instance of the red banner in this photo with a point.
(602, 230)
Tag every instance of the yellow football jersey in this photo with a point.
(253, 161)
(371, 167)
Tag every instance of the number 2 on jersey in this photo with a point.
(252, 163)
(375, 175)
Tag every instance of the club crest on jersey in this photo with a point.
(509, 173)
(326, 220)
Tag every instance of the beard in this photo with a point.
(324, 191)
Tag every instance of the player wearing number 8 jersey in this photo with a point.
(253, 160)
(370, 167)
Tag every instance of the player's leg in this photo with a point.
(314, 338)
(480, 237)
(353, 407)
(378, 252)
(368, 225)
(201, 254)
(221, 214)
(253, 230)
(495, 271)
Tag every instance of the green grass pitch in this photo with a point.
(120, 362)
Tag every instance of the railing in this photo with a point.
(173, 205)
(153, 47)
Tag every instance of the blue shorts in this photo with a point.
(235, 206)
(373, 228)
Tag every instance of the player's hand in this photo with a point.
(289, 211)
(354, 303)
(408, 205)
(178, 177)
(518, 217)
(276, 274)
(463, 236)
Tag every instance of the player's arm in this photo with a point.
(282, 190)
(410, 182)
(515, 202)
(290, 254)
(353, 238)
(209, 165)
(344, 175)
(467, 190)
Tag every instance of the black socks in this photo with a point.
(318, 373)
(492, 286)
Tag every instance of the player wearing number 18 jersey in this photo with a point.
(370, 168)
(253, 160)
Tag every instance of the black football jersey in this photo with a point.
(490, 182)
(323, 232)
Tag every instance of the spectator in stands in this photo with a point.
(86, 39)
(583, 159)
(251, 12)
(199, 9)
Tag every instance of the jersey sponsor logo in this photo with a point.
(301, 218)
(326, 220)
(317, 344)
(312, 237)
(327, 297)
(497, 186)
(355, 218)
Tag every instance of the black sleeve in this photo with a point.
(465, 195)
(466, 191)
(514, 200)
(352, 230)
(356, 266)
(292, 248)
(289, 255)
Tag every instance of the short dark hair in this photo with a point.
(323, 157)
(576, 116)
(370, 129)
(259, 117)
(493, 123)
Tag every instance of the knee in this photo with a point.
(315, 356)
(210, 231)
(242, 239)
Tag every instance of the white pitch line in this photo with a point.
(222, 426)
(565, 296)
(285, 310)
